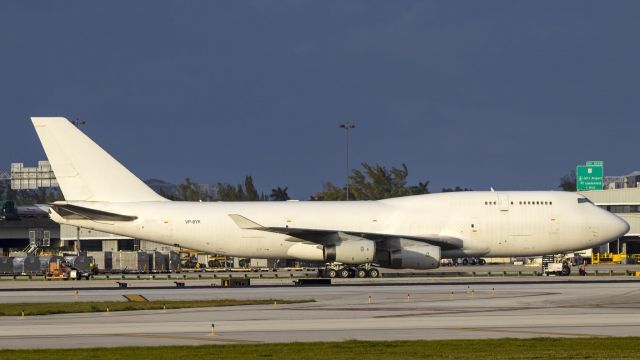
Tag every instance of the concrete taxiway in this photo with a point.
(411, 311)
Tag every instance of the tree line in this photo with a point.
(371, 182)
(190, 191)
(28, 197)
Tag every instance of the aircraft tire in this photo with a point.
(331, 273)
(361, 273)
(343, 273)
(373, 273)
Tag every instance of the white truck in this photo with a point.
(557, 269)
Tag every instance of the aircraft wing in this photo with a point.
(327, 237)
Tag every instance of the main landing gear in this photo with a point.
(347, 271)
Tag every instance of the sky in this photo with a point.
(504, 94)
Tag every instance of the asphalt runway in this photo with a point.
(435, 311)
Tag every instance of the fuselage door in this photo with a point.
(503, 201)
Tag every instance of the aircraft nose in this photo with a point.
(616, 227)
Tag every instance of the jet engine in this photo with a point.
(352, 251)
(414, 256)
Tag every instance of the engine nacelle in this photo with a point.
(423, 256)
(352, 251)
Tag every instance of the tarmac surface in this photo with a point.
(470, 309)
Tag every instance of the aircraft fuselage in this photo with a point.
(518, 223)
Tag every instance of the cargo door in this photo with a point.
(503, 201)
(503, 221)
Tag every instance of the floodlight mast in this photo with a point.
(347, 126)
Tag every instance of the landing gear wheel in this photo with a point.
(331, 273)
(482, 261)
(344, 273)
(373, 273)
(465, 262)
(361, 273)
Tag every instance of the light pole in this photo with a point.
(347, 126)
(77, 122)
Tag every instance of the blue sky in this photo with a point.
(503, 94)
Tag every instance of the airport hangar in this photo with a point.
(621, 195)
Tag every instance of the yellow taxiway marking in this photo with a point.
(195, 338)
(135, 298)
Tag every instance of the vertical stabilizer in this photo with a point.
(83, 169)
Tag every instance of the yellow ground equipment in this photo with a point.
(607, 258)
(58, 270)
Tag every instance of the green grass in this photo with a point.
(541, 348)
(16, 309)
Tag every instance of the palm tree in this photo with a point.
(279, 194)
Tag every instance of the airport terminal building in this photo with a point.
(624, 202)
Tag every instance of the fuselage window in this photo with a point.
(472, 226)
(550, 203)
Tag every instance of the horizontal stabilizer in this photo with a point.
(75, 212)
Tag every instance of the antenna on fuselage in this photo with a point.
(492, 189)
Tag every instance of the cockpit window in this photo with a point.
(584, 200)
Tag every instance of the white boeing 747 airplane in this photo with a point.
(353, 236)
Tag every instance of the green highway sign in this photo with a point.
(589, 176)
